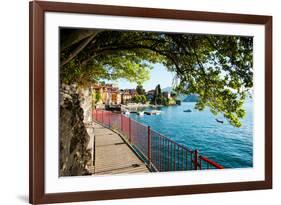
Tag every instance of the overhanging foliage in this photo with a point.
(217, 68)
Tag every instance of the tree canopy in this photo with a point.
(139, 99)
(140, 90)
(157, 97)
(217, 68)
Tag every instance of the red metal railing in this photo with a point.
(159, 152)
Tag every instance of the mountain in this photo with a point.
(182, 97)
(167, 89)
(191, 98)
(188, 98)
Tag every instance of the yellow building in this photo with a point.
(115, 98)
(109, 94)
(125, 97)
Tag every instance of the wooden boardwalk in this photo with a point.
(113, 155)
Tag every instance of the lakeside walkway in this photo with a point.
(113, 155)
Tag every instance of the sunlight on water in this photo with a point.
(227, 145)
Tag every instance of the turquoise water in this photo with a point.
(227, 145)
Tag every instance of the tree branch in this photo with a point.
(78, 49)
(74, 37)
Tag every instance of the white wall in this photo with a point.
(14, 100)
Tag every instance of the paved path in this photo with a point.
(113, 155)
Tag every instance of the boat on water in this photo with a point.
(188, 110)
(219, 121)
(156, 106)
(127, 112)
(140, 113)
(152, 112)
(157, 112)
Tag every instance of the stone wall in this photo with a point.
(86, 101)
(74, 139)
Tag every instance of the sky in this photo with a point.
(158, 75)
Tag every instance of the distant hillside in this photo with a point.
(191, 98)
(188, 98)
(194, 98)
(167, 89)
(182, 97)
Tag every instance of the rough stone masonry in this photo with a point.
(75, 154)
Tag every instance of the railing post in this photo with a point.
(130, 133)
(102, 116)
(121, 122)
(195, 159)
(109, 119)
(148, 146)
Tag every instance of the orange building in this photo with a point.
(109, 93)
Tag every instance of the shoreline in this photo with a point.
(137, 106)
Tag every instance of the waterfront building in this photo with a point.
(166, 94)
(150, 94)
(109, 93)
(126, 97)
(115, 96)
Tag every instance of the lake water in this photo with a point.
(225, 144)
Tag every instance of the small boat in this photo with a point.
(219, 121)
(156, 106)
(140, 113)
(188, 110)
(147, 113)
(127, 113)
(157, 112)
(153, 112)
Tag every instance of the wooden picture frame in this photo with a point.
(37, 97)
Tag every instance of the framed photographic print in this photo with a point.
(139, 102)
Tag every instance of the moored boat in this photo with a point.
(127, 112)
(219, 121)
(152, 112)
(141, 113)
